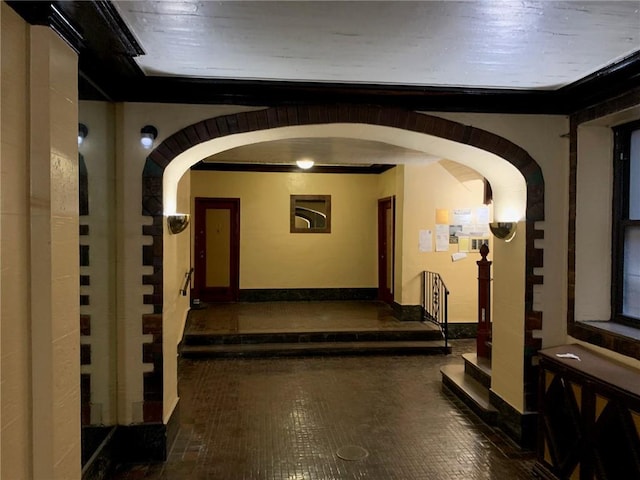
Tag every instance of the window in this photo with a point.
(626, 226)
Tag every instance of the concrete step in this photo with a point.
(478, 368)
(315, 348)
(310, 337)
(470, 391)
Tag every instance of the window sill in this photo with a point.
(610, 335)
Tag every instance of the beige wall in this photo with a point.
(99, 156)
(272, 257)
(15, 393)
(40, 436)
(427, 188)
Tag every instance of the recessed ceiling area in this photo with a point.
(332, 151)
(493, 43)
(323, 151)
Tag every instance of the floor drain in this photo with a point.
(352, 453)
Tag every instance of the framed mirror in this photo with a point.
(310, 214)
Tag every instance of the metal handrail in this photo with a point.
(435, 302)
(187, 281)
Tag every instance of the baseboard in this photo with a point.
(462, 330)
(407, 313)
(99, 446)
(145, 442)
(522, 428)
(306, 294)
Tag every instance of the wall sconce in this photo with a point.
(148, 134)
(177, 222)
(83, 131)
(304, 164)
(503, 230)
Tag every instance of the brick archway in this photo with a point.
(301, 115)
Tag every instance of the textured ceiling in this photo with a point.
(491, 43)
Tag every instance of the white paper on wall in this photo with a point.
(461, 216)
(442, 238)
(425, 241)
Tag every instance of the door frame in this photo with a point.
(386, 294)
(221, 294)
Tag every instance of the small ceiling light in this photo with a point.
(304, 164)
(148, 134)
(83, 131)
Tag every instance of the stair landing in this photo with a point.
(305, 328)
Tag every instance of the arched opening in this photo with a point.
(514, 176)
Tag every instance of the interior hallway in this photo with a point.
(290, 418)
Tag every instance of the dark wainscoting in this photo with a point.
(463, 330)
(522, 428)
(306, 294)
(408, 313)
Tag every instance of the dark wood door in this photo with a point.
(217, 249)
(386, 234)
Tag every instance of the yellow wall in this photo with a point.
(552, 153)
(14, 260)
(508, 318)
(130, 160)
(39, 367)
(176, 306)
(272, 257)
(427, 188)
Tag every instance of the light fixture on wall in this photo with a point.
(503, 230)
(305, 163)
(177, 222)
(148, 134)
(83, 131)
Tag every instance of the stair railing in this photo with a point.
(435, 302)
(187, 281)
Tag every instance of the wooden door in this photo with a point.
(217, 249)
(386, 234)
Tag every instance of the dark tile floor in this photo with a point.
(291, 418)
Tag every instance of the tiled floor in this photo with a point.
(324, 316)
(288, 418)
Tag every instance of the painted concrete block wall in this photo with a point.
(427, 188)
(272, 257)
(55, 335)
(15, 381)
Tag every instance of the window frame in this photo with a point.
(620, 218)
